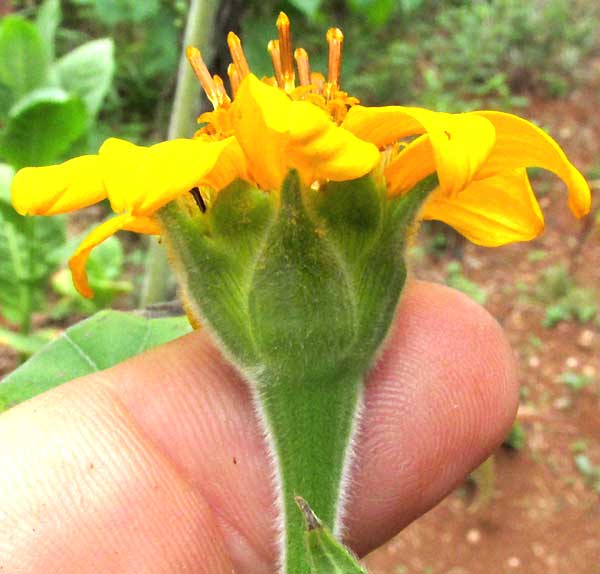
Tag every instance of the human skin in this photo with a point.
(158, 466)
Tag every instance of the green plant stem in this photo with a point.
(201, 17)
(323, 407)
(198, 33)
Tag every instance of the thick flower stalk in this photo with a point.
(287, 218)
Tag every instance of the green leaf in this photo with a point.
(47, 21)
(88, 71)
(160, 51)
(23, 57)
(42, 126)
(309, 8)
(6, 176)
(97, 343)
(6, 101)
(326, 554)
(27, 258)
(377, 12)
(111, 12)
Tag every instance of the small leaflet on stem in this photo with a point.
(312, 521)
(326, 554)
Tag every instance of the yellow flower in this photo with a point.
(273, 125)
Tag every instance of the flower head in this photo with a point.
(300, 119)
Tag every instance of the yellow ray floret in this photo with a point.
(277, 133)
(477, 145)
(140, 180)
(493, 211)
(137, 181)
(127, 222)
(520, 143)
(460, 142)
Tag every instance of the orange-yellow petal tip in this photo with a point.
(580, 195)
(282, 19)
(191, 52)
(79, 259)
(520, 143)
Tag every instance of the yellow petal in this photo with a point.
(319, 149)
(277, 134)
(460, 143)
(493, 211)
(520, 143)
(97, 236)
(121, 164)
(174, 167)
(141, 180)
(59, 188)
(382, 125)
(261, 124)
(415, 162)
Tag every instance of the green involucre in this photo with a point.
(300, 288)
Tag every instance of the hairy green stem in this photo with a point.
(201, 17)
(311, 444)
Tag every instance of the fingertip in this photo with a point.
(442, 396)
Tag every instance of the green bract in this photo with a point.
(300, 288)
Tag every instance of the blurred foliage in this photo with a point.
(147, 39)
(516, 438)
(452, 55)
(28, 254)
(575, 381)
(146, 36)
(589, 471)
(563, 299)
(48, 109)
(456, 279)
(48, 103)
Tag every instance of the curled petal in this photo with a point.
(261, 123)
(382, 125)
(121, 163)
(230, 166)
(460, 143)
(97, 236)
(141, 180)
(319, 149)
(174, 167)
(491, 212)
(415, 162)
(59, 188)
(520, 143)
(277, 134)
